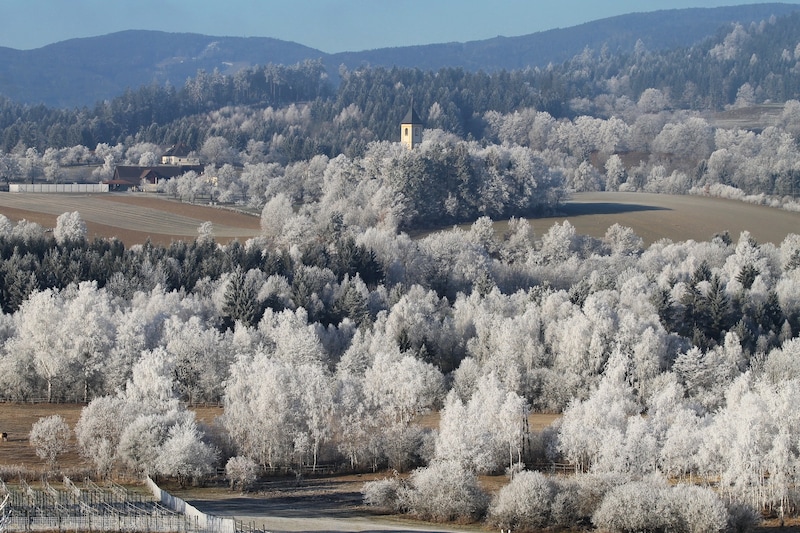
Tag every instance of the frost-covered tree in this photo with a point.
(558, 244)
(38, 342)
(485, 432)
(402, 387)
(690, 140)
(50, 437)
(622, 240)
(200, 357)
(148, 159)
(217, 151)
(265, 411)
(184, 454)
(140, 442)
(588, 427)
(87, 332)
(616, 173)
(99, 430)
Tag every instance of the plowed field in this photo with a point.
(132, 218)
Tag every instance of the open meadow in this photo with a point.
(133, 218)
(678, 218)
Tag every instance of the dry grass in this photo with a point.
(132, 218)
(679, 218)
(748, 118)
(661, 216)
(135, 217)
(17, 420)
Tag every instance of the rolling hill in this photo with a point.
(81, 72)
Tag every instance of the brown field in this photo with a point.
(132, 218)
(679, 218)
(755, 118)
(16, 419)
(661, 216)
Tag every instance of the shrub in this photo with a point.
(742, 518)
(566, 508)
(445, 492)
(592, 489)
(403, 446)
(241, 471)
(635, 507)
(383, 493)
(525, 503)
(700, 509)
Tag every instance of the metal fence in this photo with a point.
(138, 524)
(87, 507)
(199, 520)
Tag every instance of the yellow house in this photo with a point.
(411, 129)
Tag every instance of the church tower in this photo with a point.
(411, 129)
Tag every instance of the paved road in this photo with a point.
(312, 511)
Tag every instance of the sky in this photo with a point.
(328, 25)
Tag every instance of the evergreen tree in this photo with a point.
(241, 304)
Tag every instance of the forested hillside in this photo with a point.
(327, 336)
(740, 67)
(80, 72)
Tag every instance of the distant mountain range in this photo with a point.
(81, 72)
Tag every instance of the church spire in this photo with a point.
(411, 128)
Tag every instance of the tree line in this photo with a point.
(751, 65)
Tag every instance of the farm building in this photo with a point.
(131, 176)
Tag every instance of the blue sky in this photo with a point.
(328, 25)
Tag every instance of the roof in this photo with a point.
(177, 150)
(134, 174)
(411, 116)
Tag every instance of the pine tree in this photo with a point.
(241, 304)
